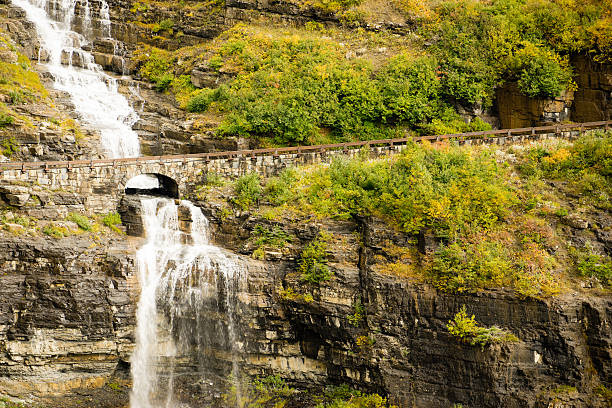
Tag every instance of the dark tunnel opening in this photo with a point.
(152, 184)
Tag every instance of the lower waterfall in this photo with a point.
(182, 277)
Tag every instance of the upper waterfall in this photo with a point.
(94, 94)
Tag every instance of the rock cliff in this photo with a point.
(67, 320)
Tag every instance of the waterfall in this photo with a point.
(94, 94)
(181, 273)
(189, 288)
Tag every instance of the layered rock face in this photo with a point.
(400, 346)
(593, 99)
(516, 110)
(66, 314)
(68, 307)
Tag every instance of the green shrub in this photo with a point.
(463, 267)
(467, 69)
(541, 77)
(270, 391)
(247, 190)
(358, 314)
(278, 189)
(80, 220)
(166, 24)
(452, 123)
(6, 119)
(201, 99)
(344, 397)
(274, 237)
(24, 221)
(595, 266)
(313, 261)
(9, 146)
(156, 65)
(273, 384)
(163, 82)
(54, 231)
(467, 330)
(112, 220)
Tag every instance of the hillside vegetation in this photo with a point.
(308, 85)
(494, 222)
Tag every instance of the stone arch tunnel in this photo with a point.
(152, 184)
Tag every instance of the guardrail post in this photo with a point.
(606, 125)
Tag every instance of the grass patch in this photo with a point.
(55, 231)
(82, 221)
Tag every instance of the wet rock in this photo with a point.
(130, 210)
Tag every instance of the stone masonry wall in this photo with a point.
(95, 189)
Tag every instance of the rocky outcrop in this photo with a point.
(593, 99)
(67, 320)
(399, 345)
(66, 313)
(517, 110)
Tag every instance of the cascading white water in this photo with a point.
(94, 94)
(177, 268)
(180, 273)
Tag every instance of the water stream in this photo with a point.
(189, 288)
(187, 278)
(94, 93)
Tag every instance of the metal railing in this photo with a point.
(461, 137)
